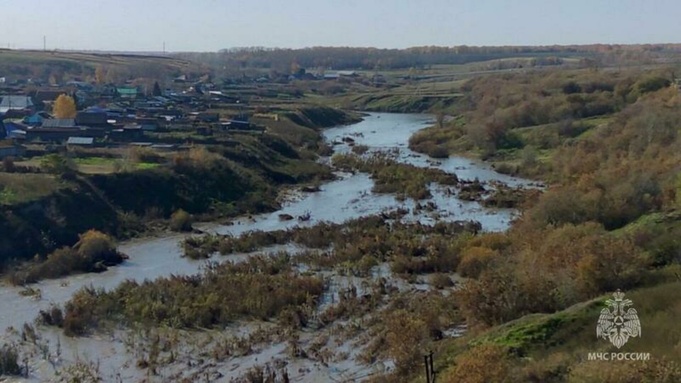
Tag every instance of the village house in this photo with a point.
(14, 129)
(62, 134)
(94, 119)
(127, 92)
(72, 142)
(45, 98)
(22, 104)
(64, 123)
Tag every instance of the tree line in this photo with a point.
(375, 58)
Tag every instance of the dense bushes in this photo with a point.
(94, 252)
(562, 252)
(260, 287)
(496, 106)
(482, 364)
(356, 245)
(391, 176)
(548, 270)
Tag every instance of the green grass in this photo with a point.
(98, 161)
(97, 165)
(18, 188)
(572, 332)
(146, 165)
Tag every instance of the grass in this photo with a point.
(97, 165)
(258, 288)
(18, 188)
(569, 335)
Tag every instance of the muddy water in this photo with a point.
(345, 198)
(385, 131)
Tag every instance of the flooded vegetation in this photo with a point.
(323, 295)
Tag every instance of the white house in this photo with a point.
(8, 103)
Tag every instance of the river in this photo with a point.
(345, 198)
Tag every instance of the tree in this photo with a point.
(65, 107)
(100, 75)
(95, 246)
(157, 89)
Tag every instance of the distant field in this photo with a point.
(28, 57)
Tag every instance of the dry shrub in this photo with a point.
(406, 341)
(549, 369)
(180, 220)
(481, 364)
(142, 154)
(93, 252)
(197, 156)
(492, 299)
(474, 260)
(656, 370)
(550, 270)
(94, 245)
(494, 241)
(441, 281)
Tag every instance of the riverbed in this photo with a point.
(347, 197)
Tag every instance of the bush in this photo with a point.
(481, 364)
(9, 361)
(93, 253)
(8, 165)
(260, 287)
(441, 281)
(438, 151)
(360, 149)
(142, 154)
(406, 340)
(95, 246)
(180, 220)
(651, 84)
(474, 260)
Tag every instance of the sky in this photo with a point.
(211, 25)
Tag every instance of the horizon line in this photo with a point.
(275, 48)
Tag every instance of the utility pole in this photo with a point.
(44, 43)
(164, 47)
(430, 371)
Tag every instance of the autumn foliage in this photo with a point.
(567, 247)
(64, 107)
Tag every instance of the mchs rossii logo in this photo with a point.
(618, 323)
